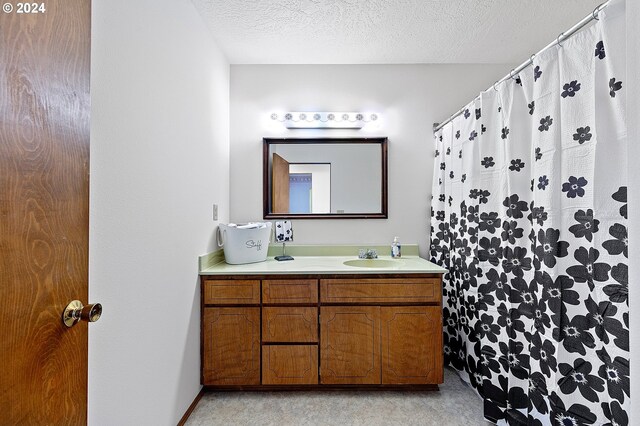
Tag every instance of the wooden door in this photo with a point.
(350, 345)
(44, 211)
(232, 344)
(411, 345)
(279, 185)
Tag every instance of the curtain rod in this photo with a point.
(562, 37)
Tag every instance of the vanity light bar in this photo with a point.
(324, 120)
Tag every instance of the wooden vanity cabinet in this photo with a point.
(382, 344)
(280, 331)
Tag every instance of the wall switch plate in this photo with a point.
(215, 212)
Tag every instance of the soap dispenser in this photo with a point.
(396, 248)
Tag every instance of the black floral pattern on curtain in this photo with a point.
(529, 217)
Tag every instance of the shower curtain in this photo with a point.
(529, 217)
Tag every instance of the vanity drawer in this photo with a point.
(289, 291)
(380, 290)
(290, 365)
(232, 292)
(290, 324)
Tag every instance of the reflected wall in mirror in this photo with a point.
(328, 178)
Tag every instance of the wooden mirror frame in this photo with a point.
(281, 141)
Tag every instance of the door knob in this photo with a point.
(75, 312)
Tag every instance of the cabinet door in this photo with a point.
(350, 345)
(412, 345)
(231, 346)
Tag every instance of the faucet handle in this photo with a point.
(361, 254)
(373, 253)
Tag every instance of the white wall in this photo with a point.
(159, 159)
(633, 191)
(409, 99)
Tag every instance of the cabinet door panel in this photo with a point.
(411, 345)
(231, 346)
(350, 345)
(290, 365)
(289, 324)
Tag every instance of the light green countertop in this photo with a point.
(319, 260)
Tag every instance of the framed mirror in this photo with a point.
(325, 178)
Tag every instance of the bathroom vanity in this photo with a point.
(318, 322)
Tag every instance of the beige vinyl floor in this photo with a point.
(456, 404)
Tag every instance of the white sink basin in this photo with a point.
(371, 263)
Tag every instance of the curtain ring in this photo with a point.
(596, 11)
(511, 73)
(531, 58)
(558, 39)
(494, 86)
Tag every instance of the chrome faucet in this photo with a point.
(367, 254)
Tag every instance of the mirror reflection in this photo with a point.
(325, 178)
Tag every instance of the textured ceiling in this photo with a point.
(387, 31)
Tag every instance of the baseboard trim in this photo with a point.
(192, 407)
